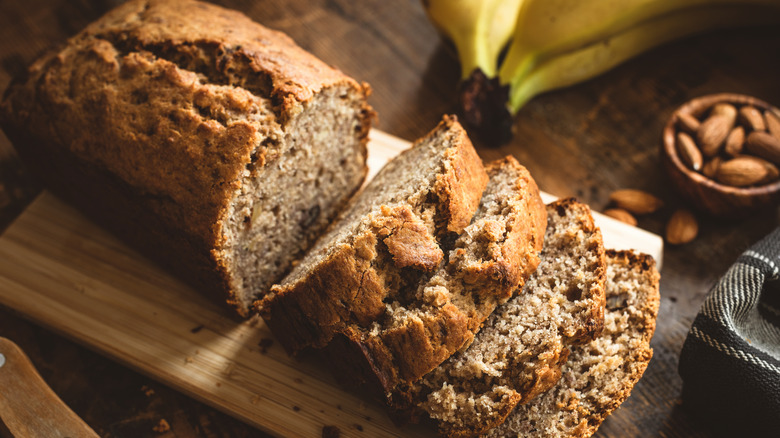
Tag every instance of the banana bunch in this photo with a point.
(557, 43)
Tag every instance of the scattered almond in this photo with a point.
(688, 123)
(710, 167)
(712, 133)
(682, 227)
(751, 118)
(735, 141)
(689, 153)
(621, 215)
(764, 145)
(772, 123)
(741, 172)
(635, 201)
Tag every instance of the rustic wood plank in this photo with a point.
(65, 273)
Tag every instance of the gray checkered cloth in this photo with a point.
(730, 362)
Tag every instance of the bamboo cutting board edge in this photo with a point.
(65, 273)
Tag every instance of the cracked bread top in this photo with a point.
(181, 96)
(172, 105)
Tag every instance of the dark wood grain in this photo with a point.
(584, 141)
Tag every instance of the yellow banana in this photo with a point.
(555, 43)
(548, 28)
(479, 29)
(586, 62)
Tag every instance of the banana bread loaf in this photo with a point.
(599, 375)
(404, 280)
(214, 145)
(519, 352)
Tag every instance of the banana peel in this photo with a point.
(557, 43)
(601, 56)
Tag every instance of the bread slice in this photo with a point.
(215, 145)
(599, 375)
(402, 281)
(519, 351)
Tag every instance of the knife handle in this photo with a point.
(28, 407)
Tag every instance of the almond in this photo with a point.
(712, 133)
(710, 167)
(635, 201)
(688, 151)
(751, 118)
(688, 123)
(741, 172)
(682, 227)
(772, 123)
(772, 172)
(621, 215)
(764, 145)
(735, 141)
(724, 109)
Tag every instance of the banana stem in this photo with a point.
(483, 107)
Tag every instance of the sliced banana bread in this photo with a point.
(404, 280)
(519, 351)
(213, 144)
(599, 375)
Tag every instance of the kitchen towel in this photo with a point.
(730, 361)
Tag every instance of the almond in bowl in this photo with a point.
(722, 152)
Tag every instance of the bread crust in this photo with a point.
(399, 354)
(144, 121)
(348, 286)
(599, 376)
(520, 350)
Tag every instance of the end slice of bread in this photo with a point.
(599, 375)
(519, 351)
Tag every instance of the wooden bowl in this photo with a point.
(707, 194)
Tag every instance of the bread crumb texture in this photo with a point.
(599, 375)
(415, 264)
(519, 351)
(213, 144)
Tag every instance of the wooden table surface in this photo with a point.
(585, 141)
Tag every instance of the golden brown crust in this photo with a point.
(349, 286)
(477, 388)
(407, 238)
(513, 248)
(460, 187)
(433, 321)
(154, 100)
(288, 74)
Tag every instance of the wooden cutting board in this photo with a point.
(63, 272)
